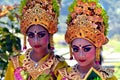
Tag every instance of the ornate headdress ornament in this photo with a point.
(39, 12)
(87, 20)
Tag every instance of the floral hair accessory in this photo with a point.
(88, 20)
(39, 12)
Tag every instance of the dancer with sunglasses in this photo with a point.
(38, 22)
(86, 33)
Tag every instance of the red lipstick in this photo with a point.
(37, 46)
(82, 60)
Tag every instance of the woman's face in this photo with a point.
(83, 51)
(38, 37)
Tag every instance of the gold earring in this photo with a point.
(71, 56)
(24, 45)
(97, 55)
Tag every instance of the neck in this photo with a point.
(37, 55)
(85, 69)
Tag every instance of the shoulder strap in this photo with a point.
(15, 61)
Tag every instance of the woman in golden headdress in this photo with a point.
(86, 33)
(38, 22)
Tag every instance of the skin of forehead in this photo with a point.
(81, 42)
(36, 28)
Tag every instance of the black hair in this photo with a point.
(101, 59)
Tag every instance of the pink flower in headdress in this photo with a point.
(85, 6)
(98, 11)
(73, 14)
(92, 5)
(79, 3)
(78, 10)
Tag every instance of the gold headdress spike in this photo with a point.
(88, 20)
(39, 12)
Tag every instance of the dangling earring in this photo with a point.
(97, 56)
(24, 45)
(51, 42)
(71, 56)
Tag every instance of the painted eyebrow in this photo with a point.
(38, 32)
(75, 46)
(86, 46)
(42, 32)
(83, 46)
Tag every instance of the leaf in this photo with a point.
(56, 6)
(71, 7)
(22, 4)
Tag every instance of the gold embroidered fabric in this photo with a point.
(36, 70)
(38, 16)
(69, 75)
(47, 67)
(103, 72)
(15, 61)
(75, 74)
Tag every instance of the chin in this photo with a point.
(82, 64)
(37, 49)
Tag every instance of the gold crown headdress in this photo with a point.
(39, 12)
(87, 20)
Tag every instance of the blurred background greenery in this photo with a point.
(11, 39)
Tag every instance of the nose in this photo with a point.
(81, 53)
(36, 39)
